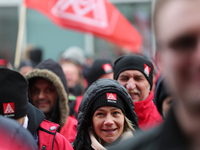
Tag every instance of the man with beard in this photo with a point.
(48, 91)
(135, 73)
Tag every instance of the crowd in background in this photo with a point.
(131, 103)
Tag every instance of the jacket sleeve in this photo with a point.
(61, 143)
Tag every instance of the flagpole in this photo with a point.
(20, 36)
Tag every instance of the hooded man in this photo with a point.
(48, 91)
(135, 73)
(14, 104)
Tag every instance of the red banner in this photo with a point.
(98, 17)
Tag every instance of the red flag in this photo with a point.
(99, 17)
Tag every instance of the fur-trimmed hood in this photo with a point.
(98, 88)
(53, 72)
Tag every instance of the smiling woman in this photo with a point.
(106, 116)
(108, 123)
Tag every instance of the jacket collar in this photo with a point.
(35, 117)
(97, 146)
(142, 108)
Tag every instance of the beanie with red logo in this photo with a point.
(13, 94)
(99, 68)
(134, 62)
(108, 99)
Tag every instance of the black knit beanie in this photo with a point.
(161, 93)
(134, 62)
(99, 68)
(36, 55)
(13, 94)
(108, 99)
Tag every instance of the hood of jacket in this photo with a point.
(53, 72)
(99, 87)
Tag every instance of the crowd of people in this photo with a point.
(125, 104)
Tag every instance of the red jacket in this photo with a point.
(69, 129)
(148, 115)
(78, 101)
(76, 107)
(50, 139)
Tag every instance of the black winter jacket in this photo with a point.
(99, 87)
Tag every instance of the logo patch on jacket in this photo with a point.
(147, 69)
(107, 68)
(52, 128)
(9, 108)
(111, 97)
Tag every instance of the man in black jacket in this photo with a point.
(177, 29)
